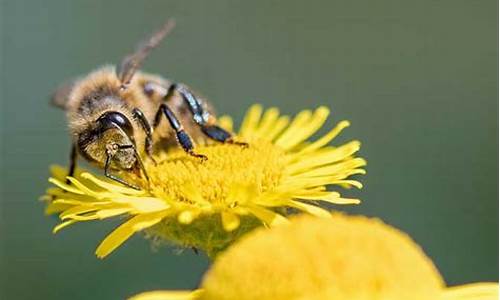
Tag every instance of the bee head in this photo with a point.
(111, 139)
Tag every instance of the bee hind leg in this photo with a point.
(72, 163)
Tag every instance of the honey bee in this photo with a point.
(115, 114)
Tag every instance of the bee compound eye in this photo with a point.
(111, 119)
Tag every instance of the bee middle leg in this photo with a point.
(182, 136)
(148, 130)
(72, 162)
(202, 117)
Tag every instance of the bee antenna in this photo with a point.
(132, 62)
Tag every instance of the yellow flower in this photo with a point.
(338, 258)
(209, 204)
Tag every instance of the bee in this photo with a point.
(116, 114)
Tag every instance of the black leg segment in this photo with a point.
(216, 133)
(201, 116)
(148, 130)
(72, 162)
(182, 137)
(107, 173)
(221, 135)
(137, 157)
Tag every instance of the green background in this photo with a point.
(417, 79)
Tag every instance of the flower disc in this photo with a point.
(346, 257)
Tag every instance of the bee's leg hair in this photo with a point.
(182, 137)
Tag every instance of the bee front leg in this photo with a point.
(72, 162)
(109, 156)
(148, 130)
(182, 137)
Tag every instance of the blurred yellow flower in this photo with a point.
(338, 258)
(210, 204)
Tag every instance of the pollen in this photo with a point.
(261, 164)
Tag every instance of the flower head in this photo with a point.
(209, 204)
(342, 258)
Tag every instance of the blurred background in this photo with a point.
(417, 79)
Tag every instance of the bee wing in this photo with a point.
(61, 95)
(131, 63)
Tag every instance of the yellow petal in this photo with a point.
(62, 225)
(251, 120)
(75, 211)
(112, 212)
(473, 291)
(126, 230)
(86, 190)
(278, 127)
(58, 172)
(354, 183)
(53, 208)
(268, 121)
(306, 130)
(295, 128)
(347, 201)
(225, 122)
(332, 169)
(330, 197)
(329, 156)
(65, 186)
(312, 182)
(169, 295)
(112, 187)
(267, 216)
(311, 209)
(142, 204)
(76, 202)
(57, 193)
(323, 141)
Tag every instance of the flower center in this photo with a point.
(345, 257)
(259, 165)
